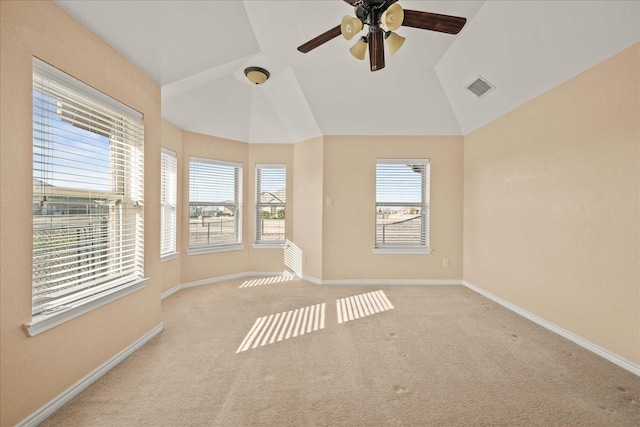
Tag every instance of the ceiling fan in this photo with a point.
(383, 17)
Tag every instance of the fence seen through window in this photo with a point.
(402, 203)
(215, 204)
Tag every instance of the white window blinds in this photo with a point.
(271, 202)
(215, 204)
(88, 189)
(402, 203)
(168, 201)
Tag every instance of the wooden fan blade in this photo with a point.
(433, 21)
(376, 50)
(321, 39)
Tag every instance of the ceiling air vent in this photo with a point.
(480, 87)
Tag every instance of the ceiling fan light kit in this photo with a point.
(256, 75)
(350, 27)
(383, 17)
(359, 49)
(393, 41)
(392, 17)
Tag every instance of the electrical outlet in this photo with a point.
(445, 262)
(329, 201)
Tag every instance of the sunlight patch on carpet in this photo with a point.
(286, 277)
(282, 326)
(357, 306)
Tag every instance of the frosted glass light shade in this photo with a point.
(394, 42)
(359, 49)
(256, 75)
(392, 17)
(349, 27)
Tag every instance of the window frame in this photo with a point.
(169, 159)
(237, 205)
(259, 242)
(423, 247)
(84, 109)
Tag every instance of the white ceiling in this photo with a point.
(197, 51)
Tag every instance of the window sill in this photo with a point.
(169, 257)
(43, 322)
(213, 249)
(274, 245)
(402, 251)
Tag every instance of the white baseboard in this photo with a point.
(283, 273)
(382, 282)
(634, 368)
(213, 280)
(66, 396)
(219, 279)
(170, 292)
(311, 279)
(393, 282)
(315, 281)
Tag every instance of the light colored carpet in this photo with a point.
(441, 356)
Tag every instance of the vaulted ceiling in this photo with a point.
(197, 51)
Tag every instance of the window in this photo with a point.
(215, 205)
(271, 198)
(168, 202)
(402, 206)
(87, 197)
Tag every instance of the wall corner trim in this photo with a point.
(170, 292)
(311, 279)
(594, 348)
(66, 396)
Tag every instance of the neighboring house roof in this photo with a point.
(40, 183)
(273, 197)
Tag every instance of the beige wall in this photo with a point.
(305, 253)
(33, 370)
(551, 205)
(170, 270)
(349, 224)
